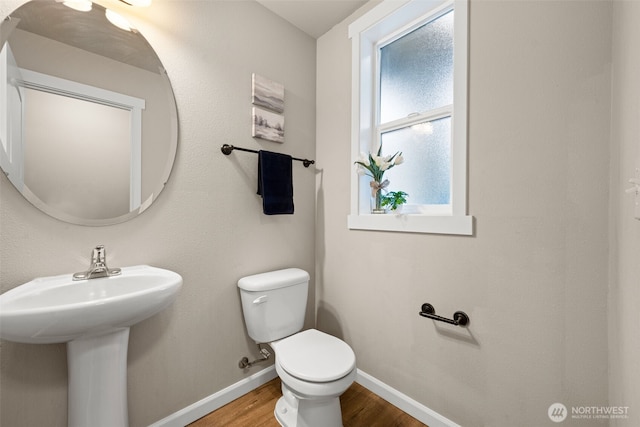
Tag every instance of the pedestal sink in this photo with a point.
(93, 317)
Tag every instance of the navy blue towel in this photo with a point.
(275, 182)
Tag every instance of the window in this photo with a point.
(409, 76)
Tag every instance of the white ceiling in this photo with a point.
(314, 17)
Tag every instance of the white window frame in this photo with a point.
(390, 20)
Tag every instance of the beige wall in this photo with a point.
(207, 224)
(534, 277)
(624, 298)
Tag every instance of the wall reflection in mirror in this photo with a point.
(88, 121)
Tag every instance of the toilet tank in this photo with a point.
(274, 303)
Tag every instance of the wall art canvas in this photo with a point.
(268, 94)
(268, 125)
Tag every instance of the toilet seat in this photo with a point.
(314, 356)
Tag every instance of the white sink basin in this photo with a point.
(93, 317)
(58, 309)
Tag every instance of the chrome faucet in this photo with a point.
(98, 266)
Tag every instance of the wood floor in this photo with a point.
(360, 408)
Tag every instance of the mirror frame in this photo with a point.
(6, 28)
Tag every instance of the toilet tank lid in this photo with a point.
(273, 280)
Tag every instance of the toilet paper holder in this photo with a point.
(460, 318)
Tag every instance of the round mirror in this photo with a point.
(88, 120)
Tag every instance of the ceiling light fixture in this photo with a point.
(118, 20)
(79, 5)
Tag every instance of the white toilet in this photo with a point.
(315, 368)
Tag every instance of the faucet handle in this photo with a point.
(98, 254)
(98, 267)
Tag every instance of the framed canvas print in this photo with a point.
(268, 94)
(268, 125)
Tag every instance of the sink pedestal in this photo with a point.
(98, 380)
(93, 317)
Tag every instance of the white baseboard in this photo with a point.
(217, 400)
(416, 409)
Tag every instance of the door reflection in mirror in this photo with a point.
(92, 183)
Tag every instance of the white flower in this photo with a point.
(364, 158)
(375, 165)
(383, 163)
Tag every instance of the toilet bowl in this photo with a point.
(315, 368)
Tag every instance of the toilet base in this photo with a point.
(291, 411)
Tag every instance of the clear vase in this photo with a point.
(376, 203)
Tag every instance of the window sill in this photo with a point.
(460, 225)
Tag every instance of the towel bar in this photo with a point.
(227, 149)
(460, 318)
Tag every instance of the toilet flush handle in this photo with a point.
(260, 299)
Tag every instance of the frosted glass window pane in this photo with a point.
(426, 171)
(416, 71)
